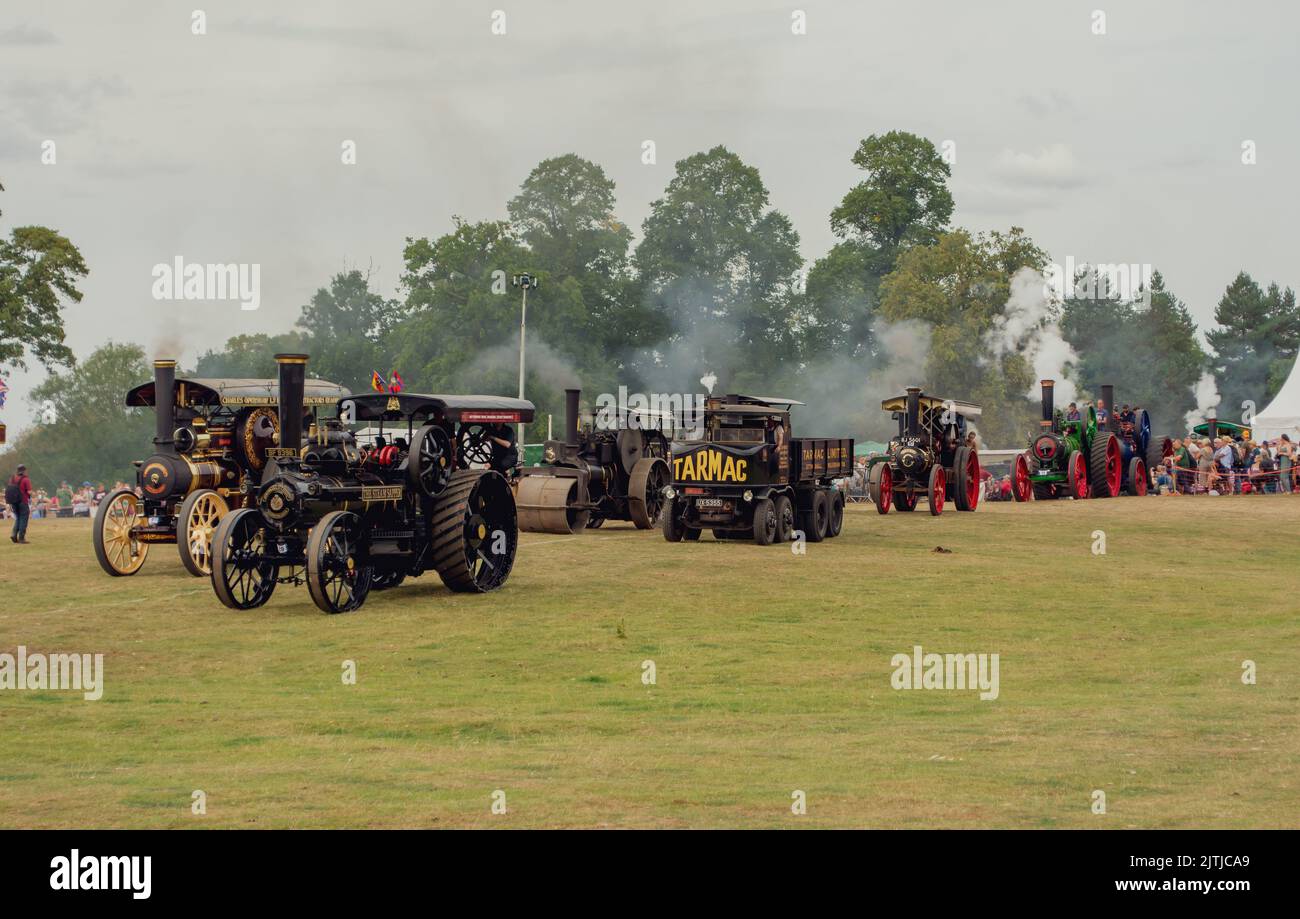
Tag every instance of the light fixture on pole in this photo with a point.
(524, 282)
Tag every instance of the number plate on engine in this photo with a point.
(381, 492)
(708, 502)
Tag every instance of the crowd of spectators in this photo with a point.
(1223, 466)
(68, 501)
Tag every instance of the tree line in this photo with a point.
(714, 285)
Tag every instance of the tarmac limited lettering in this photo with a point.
(709, 466)
(53, 671)
(104, 872)
(946, 671)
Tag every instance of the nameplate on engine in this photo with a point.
(281, 453)
(381, 492)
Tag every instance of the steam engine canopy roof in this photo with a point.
(468, 409)
(201, 391)
(930, 403)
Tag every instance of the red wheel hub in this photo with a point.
(1080, 477)
(1114, 466)
(972, 480)
(1020, 480)
(886, 489)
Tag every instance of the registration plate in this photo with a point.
(708, 502)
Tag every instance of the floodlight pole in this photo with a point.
(524, 282)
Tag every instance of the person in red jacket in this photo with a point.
(18, 495)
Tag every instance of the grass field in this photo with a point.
(1119, 673)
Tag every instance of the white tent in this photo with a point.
(1283, 414)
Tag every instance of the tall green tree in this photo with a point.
(252, 356)
(39, 272)
(85, 431)
(1255, 342)
(1150, 354)
(347, 328)
(721, 268)
(902, 202)
(586, 310)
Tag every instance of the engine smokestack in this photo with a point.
(1049, 400)
(293, 377)
(571, 416)
(1108, 402)
(913, 418)
(164, 406)
(1214, 430)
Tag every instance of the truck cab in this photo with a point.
(742, 475)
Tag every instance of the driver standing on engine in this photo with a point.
(505, 448)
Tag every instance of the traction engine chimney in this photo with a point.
(293, 375)
(1049, 402)
(571, 416)
(164, 406)
(913, 419)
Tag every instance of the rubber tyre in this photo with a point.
(766, 525)
(671, 525)
(815, 519)
(784, 518)
(835, 514)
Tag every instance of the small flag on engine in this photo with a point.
(377, 382)
(395, 382)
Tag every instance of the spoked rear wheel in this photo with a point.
(242, 576)
(336, 577)
(475, 531)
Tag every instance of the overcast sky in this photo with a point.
(225, 147)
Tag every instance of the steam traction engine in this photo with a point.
(1066, 458)
(1140, 450)
(210, 442)
(929, 456)
(744, 477)
(349, 517)
(596, 475)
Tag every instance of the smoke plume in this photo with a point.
(1206, 392)
(1029, 326)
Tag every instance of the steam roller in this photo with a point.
(594, 475)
